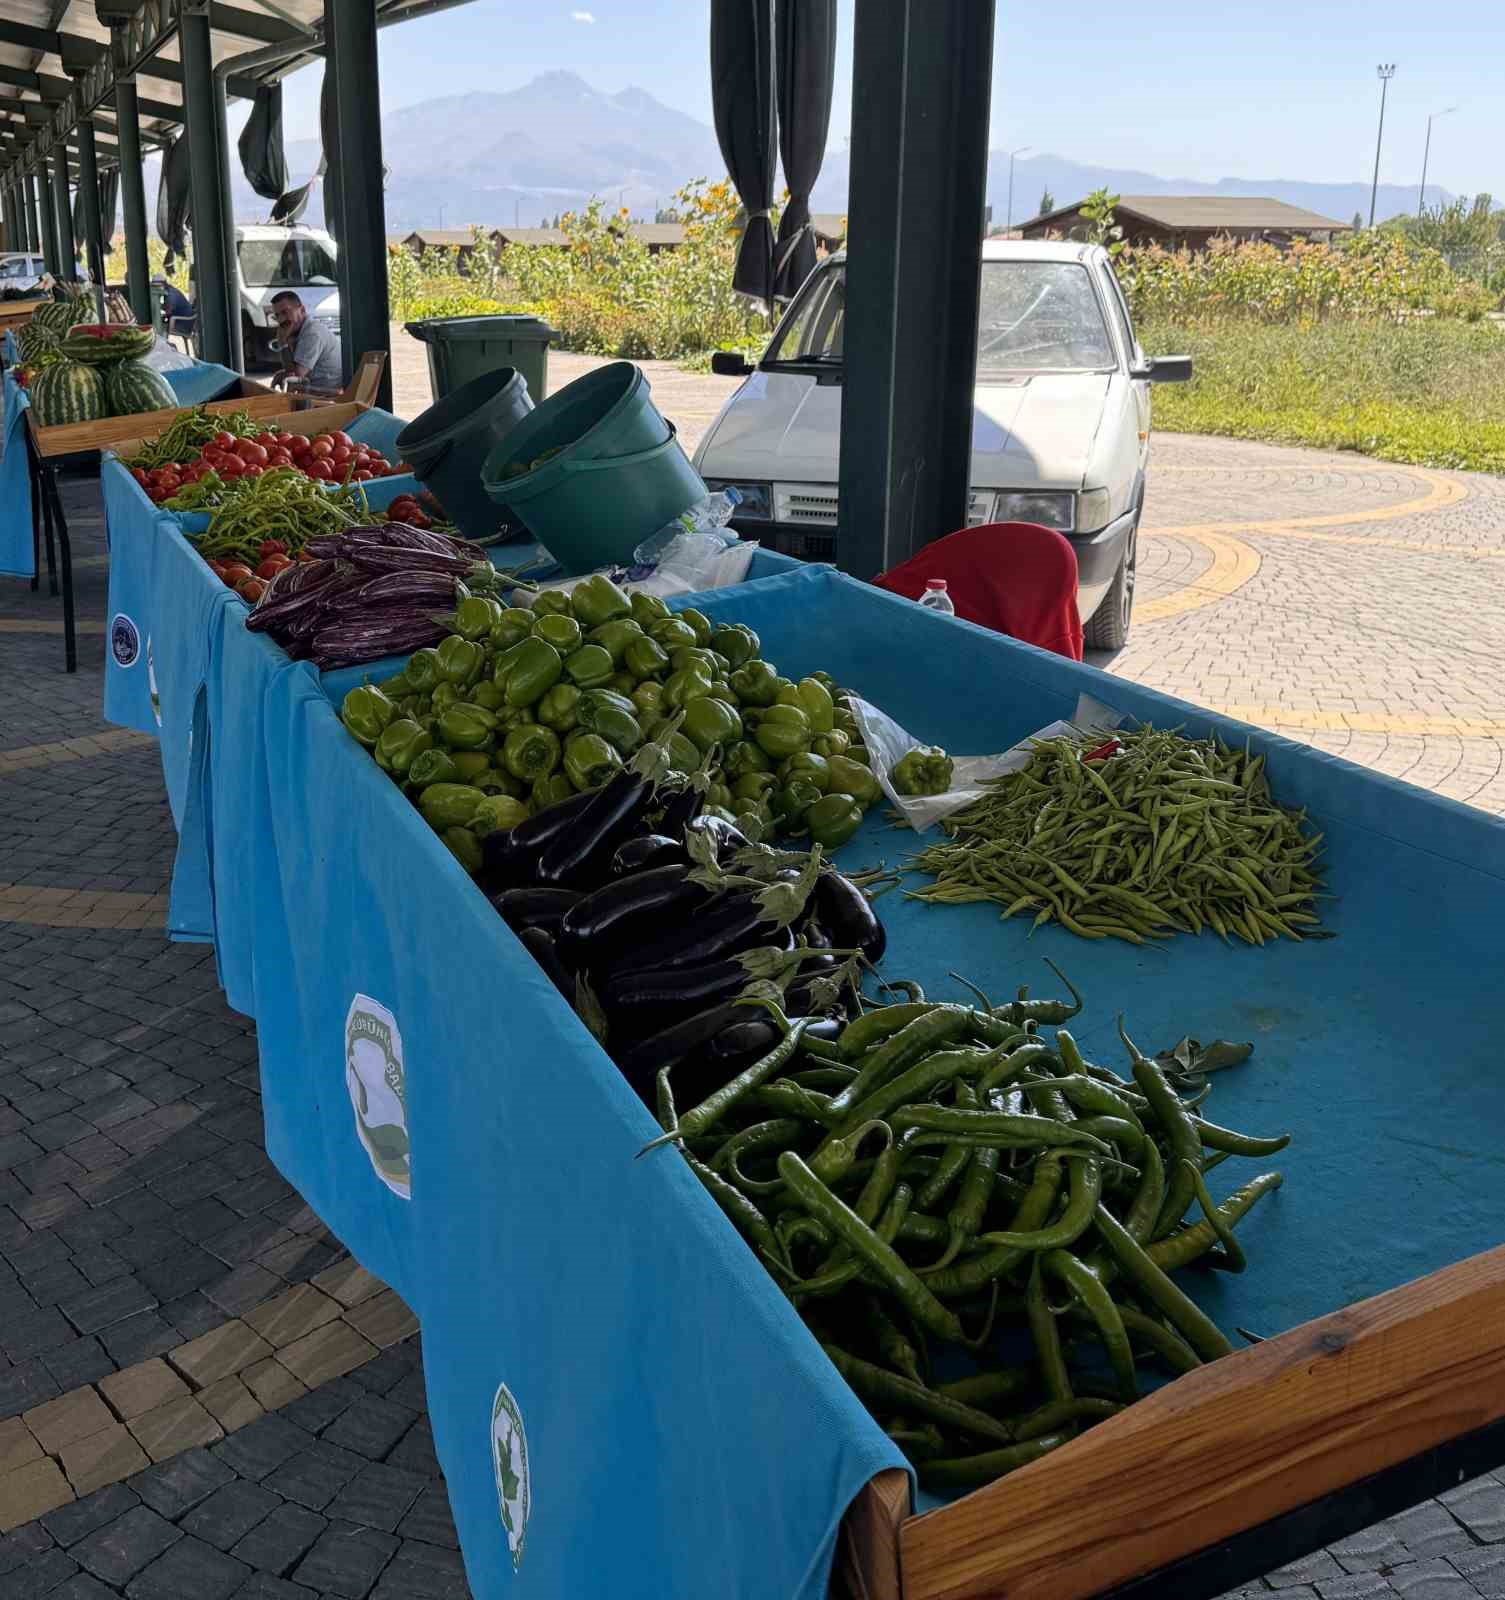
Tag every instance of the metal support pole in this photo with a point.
(49, 219)
(34, 235)
(88, 190)
(9, 230)
(350, 32)
(211, 249)
(67, 250)
(133, 200)
(918, 177)
(237, 357)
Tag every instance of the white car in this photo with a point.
(19, 270)
(1060, 429)
(271, 258)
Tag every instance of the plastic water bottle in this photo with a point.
(936, 598)
(705, 520)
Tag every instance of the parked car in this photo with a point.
(20, 270)
(1061, 420)
(271, 258)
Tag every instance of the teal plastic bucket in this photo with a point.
(448, 445)
(618, 473)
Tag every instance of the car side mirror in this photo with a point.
(730, 364)
(1164, 369)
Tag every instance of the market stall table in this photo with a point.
(616, 1385)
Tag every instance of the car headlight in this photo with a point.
(1053, 510)
(757, 498)
(1094, 510)
(980, 507)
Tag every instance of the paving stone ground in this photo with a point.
(153, 1442)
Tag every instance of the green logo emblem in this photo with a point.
(509, 1454)
(378, 1092)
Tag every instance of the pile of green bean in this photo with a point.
(281, 504)
(942, 1183)
(1134, 836)
(184, 438)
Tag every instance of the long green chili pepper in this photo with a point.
(743, 1214)
(1081, 1205)
(1014, 1133)
(916, 1083)
(988, 1388)
(1237, 1144)
(1176, 1121)
(1088, 1288)
(1048, 1351)
(916, 1039)
(1187, 1318)
(893, 1343)
(953, 1163)
(966, 1472)
(965, 1217)
(1049, 1011)
(1181, 1249)
(888, 1389)
(1061, 1413)
(862, 1034)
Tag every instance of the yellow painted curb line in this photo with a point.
(1234, 563)
(1417, 724)
(82, 749)
(80, 908)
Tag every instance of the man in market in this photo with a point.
(310, 352)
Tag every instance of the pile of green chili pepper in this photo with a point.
(185, 438)
(942, 1182)
(1134, 836)
(281, 504)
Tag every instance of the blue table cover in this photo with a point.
(622, 1401)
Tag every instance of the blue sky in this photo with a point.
(1176, 87)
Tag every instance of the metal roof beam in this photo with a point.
(252, 25)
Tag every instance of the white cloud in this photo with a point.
(582, 16)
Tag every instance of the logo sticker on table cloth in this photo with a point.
(151, 684)
(509, 1455)
(125, 640)
(378, 1091)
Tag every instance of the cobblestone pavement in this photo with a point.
(201, 1396)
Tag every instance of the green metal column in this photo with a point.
(350, 54)
(62, 202)
(88, 188)
(237, 357)
(918, 177)
(49, 217)
(133, 200)
(33, 224)
(211, 247)
(9, 203)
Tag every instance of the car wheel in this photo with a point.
(1108, 626)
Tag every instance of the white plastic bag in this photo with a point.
(887, 742)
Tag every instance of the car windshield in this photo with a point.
(1033, 316)
(285, 263)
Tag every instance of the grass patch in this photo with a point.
(1426, 392)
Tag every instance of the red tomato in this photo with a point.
(252, 469)
(361, 475)
(250, 589)
(305, 555)
(301, 444)
(139, 476)
(231, 467)
(235, 571)
(280, 458)
(322, 470)
(224, 441)
(249, 450)
(338, 436)
(321, 447)
(272, 566)
(273, 547)
(403, 466)
(284, 439)
(340, 455)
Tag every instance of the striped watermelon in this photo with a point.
(62, 314)
(34, 339)
(67, 392)
(97, 343)
(132, 386)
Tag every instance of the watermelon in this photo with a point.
(34, 339)
(132, 386)
(97, 343)
(67, 392)
(62, 314)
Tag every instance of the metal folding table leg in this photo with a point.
(54, 520)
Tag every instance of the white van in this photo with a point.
(271, 258)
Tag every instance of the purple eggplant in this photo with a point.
(510, 856)
(847, 913)
(580, 856)
(422, 588)
(646, 851)
(641, 1002)
(596, 932)
(521, 909)
(540, 946)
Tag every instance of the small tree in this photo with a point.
(1098, 225)
(1358, 222)
(1047, 203)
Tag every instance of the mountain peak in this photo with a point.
(634, 99)
(562, 81)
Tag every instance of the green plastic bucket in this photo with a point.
(618, 473)
(461, 349)
(449, 443)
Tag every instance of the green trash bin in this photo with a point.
(461, 349)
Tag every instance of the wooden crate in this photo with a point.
(17, 313)
(1217, 1452)
(310, 419)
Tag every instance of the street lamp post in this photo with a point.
(1386, 71)
(1023, 150)
(1427, 156)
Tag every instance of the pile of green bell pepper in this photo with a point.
(524, 706)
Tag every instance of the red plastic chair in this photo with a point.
(1016, 578)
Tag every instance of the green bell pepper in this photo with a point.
(755, 684)
(744, 757)
(497, 813)
(834, 743)
(485, 693)
(551, 790)
(512, 627)
(809, 766)
(436, 766)
(647, 608)
(622, 683)
(648, 698)
(470, 764)
(842, 721)
(755, 786)
(782, 731)
(683, 756)
(833, 819)
(510, 717)
(449, 805)
(925, 770)
(422, 670)
(560, 708)
(444, 696)
(792, 802)
(595, 701)
(693, 683)
(754, 826)
(718, 794)
(814, 700)
(533, 674)
(366, 711)
(396, 686)
(851, 777)
(476, 616)
(615, 636)
(505, 661)
(598, 600)
(531, 752)
(589, 760)
(400, 742)
(827, 682)
(459, 661)
(551, 601)
(463, 846)
(673, 633)
(739, 644)
(621, 729)
(860, 753)
(589, 666)
(644, 657)
(560, 631)
(493, 781)
(699, 624)
(711, 721)
(467, 727)
(689, 655)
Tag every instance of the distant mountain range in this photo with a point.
(521, 156)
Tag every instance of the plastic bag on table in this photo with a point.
(887, 742)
